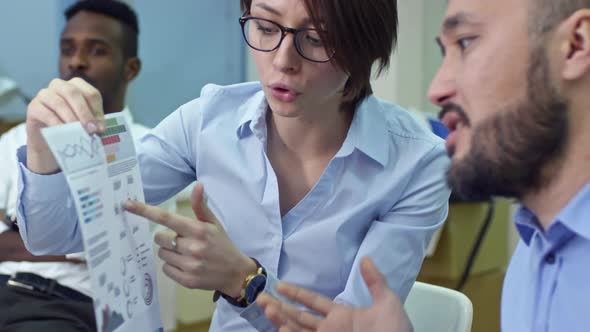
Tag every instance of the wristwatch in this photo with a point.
(253, 285)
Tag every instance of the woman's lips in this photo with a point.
(284, 93)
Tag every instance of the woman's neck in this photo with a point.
(309, 136)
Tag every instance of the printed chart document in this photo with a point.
(102, 172)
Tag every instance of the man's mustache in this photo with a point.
(452, 107)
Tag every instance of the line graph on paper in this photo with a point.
(85, 152)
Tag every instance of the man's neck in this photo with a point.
(115, 103)
(564, 181)
(114, 108)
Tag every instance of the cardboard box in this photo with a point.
(459, 235)
(484, 285)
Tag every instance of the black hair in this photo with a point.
(114, 9)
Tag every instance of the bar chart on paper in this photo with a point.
(112, 141)
(91, 204)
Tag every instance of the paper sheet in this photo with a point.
(102, 172)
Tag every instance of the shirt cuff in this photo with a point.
(26, 196)
(57, 182)
(255, 314)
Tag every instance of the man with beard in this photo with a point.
(52, 293)
(513, 89)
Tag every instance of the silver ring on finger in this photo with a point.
(174, 243)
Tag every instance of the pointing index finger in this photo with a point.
(180, 224)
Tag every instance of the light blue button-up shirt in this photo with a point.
(382, 195)
(546, 288)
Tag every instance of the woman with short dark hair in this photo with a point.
(305, 171)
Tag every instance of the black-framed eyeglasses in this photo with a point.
(266, 36)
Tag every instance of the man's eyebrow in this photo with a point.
(98, 41)
(87, 40)
(455, 21)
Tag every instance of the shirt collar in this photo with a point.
(576, 214)
(253, 111)
(575, 217)
(368, 131)
(526, 223)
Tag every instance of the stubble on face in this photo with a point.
(512, 152)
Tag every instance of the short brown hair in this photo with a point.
(546, 14)
(361, 32)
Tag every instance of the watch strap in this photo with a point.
(241, 300)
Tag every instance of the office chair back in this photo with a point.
(434, 308)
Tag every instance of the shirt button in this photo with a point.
(550, 259)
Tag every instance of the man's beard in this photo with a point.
(511, 151)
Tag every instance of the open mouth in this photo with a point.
(283, 92)
(454, 122)
(455, 119)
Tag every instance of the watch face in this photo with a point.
(254, 287)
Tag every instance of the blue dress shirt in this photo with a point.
(546, 288)
(382, 195)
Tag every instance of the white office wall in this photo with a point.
(401, 84)
(417, 56)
